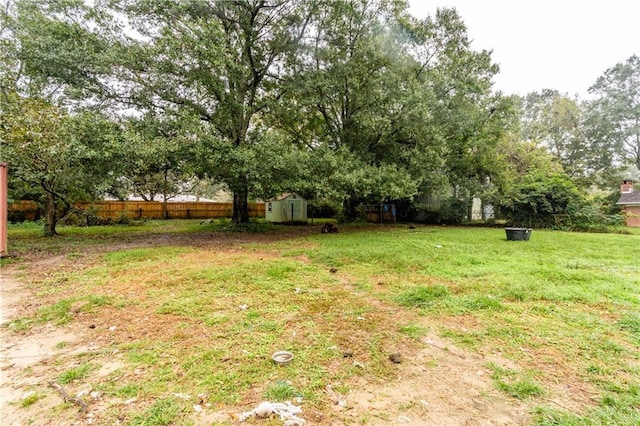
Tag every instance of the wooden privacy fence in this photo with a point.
(26, 210)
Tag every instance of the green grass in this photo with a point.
(163, 412)
(30, 399)
(281, 391)
(562, 306)
(422, 296)
(76, 373)
(517, 385)
(63, 311)
(414, 331)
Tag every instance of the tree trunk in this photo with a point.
(165, 213)
(50, 217)
(240, 206)
(349, 209)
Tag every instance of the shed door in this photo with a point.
(292, 207)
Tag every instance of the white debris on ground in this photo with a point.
(286, 410)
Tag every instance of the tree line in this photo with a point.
(354, 101)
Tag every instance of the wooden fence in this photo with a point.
(28, 210)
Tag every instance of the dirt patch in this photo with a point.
(440, 385)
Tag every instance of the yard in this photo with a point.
(174, 323)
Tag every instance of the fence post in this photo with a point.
(4, 210)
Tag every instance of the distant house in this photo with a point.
(287, 208)
(629, 202)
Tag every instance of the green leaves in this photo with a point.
(615, 113)
(540, 197)
(61, 157)
(353, 100)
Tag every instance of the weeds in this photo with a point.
(281, 391)
(77, 373)
(30, 399)
(163, 412)
(421, 296)
(517, 385)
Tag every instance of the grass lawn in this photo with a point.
(188, 314)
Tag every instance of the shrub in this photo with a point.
(540, 198)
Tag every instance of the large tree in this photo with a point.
(63, 158)
(218, 61)
(54, 156)
(377, 104)
(615, 111)
(392, 102)
(562, 124)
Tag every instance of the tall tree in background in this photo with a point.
(556, 121)
(387, 97)
(379, 105)
(158, 160)
(346, 103)
(615, 111)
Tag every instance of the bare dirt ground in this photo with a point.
(438, 385)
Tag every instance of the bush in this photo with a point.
(540, 198)
(323, 209)
(589, 218)
(455, 211)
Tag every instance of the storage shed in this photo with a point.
(287, 208)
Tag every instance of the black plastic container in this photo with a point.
(518, 234)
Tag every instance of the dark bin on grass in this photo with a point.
(518, 234)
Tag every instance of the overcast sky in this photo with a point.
(557, 44)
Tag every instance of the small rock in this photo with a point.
(358, 364)
(395, 358)
(347, 354)
(182, 396)
(333, 270)
(92, 326)
(112, 328)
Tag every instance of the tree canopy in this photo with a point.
(615, 112)
(374, 103)
(352, 100)
(61, 158)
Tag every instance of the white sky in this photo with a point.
(557, 44)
